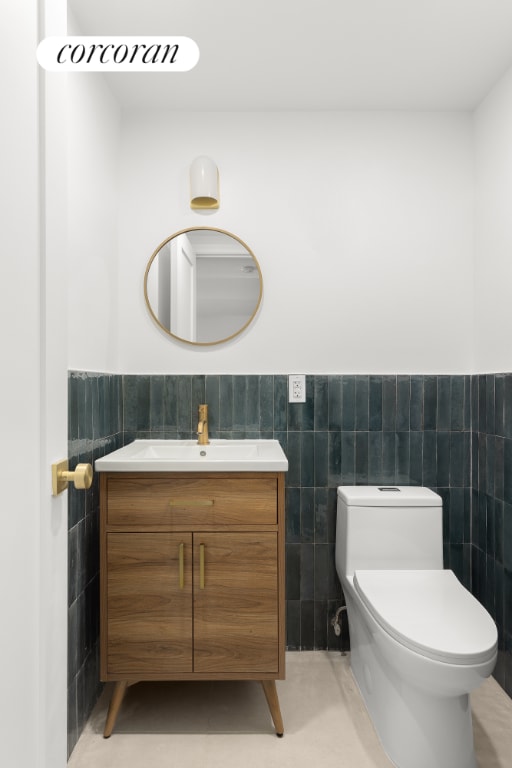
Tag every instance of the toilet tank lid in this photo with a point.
(388, 496)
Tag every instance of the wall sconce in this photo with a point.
(204, 184)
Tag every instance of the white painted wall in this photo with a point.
(92, 185)
(362, 224)
(493, 262)
(33, 545)
(53, 539)
(20, 382)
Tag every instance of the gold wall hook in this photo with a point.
(61, 476)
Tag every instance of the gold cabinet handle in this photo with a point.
(201, 566)
(191, 503)
(182, 565)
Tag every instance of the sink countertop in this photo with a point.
(189, 456)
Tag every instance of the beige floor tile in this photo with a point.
(492, 725)
(227, 724)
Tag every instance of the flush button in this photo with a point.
(390, 489)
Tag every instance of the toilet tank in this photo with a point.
(388, 527)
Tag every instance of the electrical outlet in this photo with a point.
(297, 388)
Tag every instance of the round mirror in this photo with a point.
(203, 285)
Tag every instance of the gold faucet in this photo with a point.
(202, 427)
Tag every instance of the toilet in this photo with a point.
(419, 641)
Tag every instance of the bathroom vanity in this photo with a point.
(192, 574)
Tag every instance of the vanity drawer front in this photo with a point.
(191, 501)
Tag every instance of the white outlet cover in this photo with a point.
(297, 388)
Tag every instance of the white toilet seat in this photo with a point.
(430, 612)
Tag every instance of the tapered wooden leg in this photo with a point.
(115, 706)
(269, 688)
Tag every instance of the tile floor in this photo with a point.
(226, 724)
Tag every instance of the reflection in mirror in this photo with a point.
(203, 286)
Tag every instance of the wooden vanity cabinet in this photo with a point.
(192, 580)
(148, 614)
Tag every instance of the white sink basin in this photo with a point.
(188, 456)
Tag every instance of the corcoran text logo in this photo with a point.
(117, 54)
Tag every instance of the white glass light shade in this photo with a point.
(204, 184)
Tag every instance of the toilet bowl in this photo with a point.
(420, 642)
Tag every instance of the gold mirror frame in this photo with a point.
(167, 330)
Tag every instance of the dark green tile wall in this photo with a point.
(492, 509)
(94, 429)
(351, 430)
(411, 430)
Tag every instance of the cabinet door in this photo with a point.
(149, 604)
(236, 602)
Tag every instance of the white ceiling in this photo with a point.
(314, 54)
